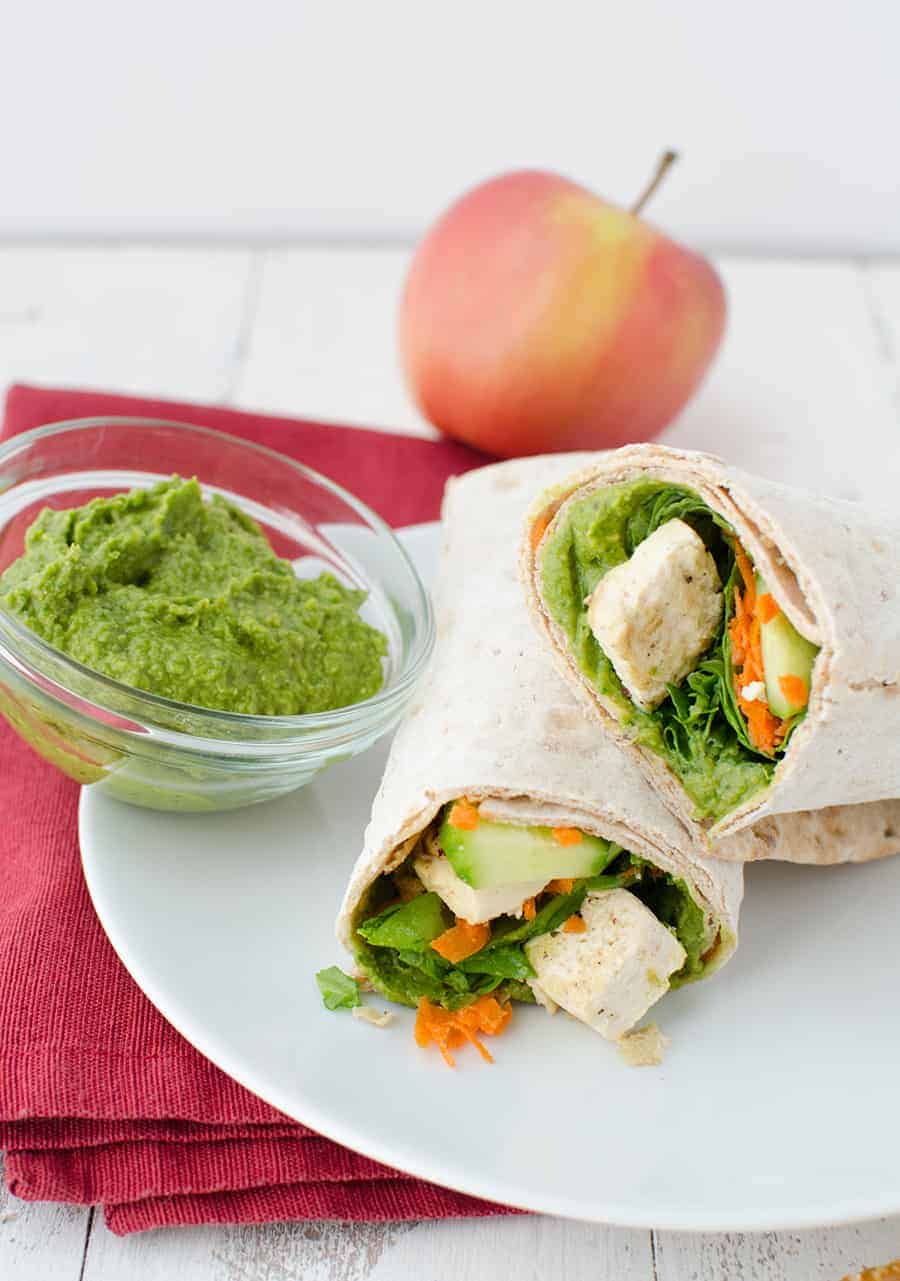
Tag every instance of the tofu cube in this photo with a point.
(656, 613)
(609, 975)
(474, 906)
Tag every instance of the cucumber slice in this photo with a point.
(784, 653)
(493, 854)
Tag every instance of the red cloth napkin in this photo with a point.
(101, 1101)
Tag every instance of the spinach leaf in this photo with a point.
(670, 901)
(670, 502)
(619, 881)
(550, 917)
(426, 960)
(507, 962)
(407, 925)
(405, 977)
(339, 990)
(513, 990)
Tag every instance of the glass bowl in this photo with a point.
(152, 751)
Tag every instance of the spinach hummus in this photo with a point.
(185, 598)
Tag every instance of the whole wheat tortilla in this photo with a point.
(838, 834)
(493, 721)
(834, 568)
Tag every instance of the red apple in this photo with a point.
(538, 317)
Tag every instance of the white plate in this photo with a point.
(776, 1106)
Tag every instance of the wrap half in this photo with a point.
(512, 853)
(739, 639)
(838, 834)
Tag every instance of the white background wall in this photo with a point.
(287, 120)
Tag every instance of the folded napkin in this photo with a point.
(101, 1101)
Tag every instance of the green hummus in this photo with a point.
(185, 598)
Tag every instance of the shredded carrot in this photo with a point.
(461, 940)
(539, 528)
(765, 729)
(464, 815)
(449, 1029)
(887, 1272)
(486, 1015)
(567, 836)
(561, 885)
(529, 911)
(794, 689)
(542, 522)
(574, 925)
(767, 608)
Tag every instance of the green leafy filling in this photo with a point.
(393, 944)
(339, 991)
(412, 970)
(699, 730)
(670, 901)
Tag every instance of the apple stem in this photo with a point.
(665, 163)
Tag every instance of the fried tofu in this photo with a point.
(657, 613)
(475, 906)
(610, 974)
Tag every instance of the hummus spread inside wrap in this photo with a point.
(512, 854)
(741, 640)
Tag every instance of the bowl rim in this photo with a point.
(339, 718)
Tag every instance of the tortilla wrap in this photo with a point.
(838, 834)
(833, 567)
(492, 721)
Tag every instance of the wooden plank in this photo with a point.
(827, 1254)
(461, 1250)
(881, 286)
(801, 390)
(161, 321)
(324, 339)
(524, 1248)
(312, 1251)
(40, 1242)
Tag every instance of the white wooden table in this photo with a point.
(807, 386)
